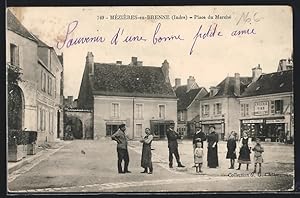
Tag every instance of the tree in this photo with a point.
(14, 97)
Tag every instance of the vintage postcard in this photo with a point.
(150, 99)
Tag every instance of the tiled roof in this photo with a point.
(14, 25)
(278, 82)
(229, 90)
(125, 80)
(185, 98)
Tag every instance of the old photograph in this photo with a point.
(150, 99)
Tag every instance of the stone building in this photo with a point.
(267, 106)
(220, 107)
(41, 85)
(188, 105)
(139, 96)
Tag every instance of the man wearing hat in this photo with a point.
(121, 139)
(173, 145)
(199, 136)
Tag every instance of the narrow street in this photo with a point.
(69, 170)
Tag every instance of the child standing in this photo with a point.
(258, 149)
(198, 157)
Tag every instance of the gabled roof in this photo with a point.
(40, 42)
(125, 80)
(228, 90)
(14, 25)
(185, 98)
(277, 82)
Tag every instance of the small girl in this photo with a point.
(258, 149)
(198, 157)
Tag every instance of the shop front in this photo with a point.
(160, 127)
(218, 124)
(266, 129)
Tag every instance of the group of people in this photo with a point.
(245, 144)
(198, 140)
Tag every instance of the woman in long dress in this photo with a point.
(245, 150)
(212, 149)
(146, 161)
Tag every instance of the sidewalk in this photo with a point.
(40, 152)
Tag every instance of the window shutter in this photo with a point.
(215, 109)
(242, 110)
(272, 107)
(17, 55)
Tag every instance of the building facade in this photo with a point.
(41, 80)
(139, 96)
(266, 107)
(220, 107)
(188, 105)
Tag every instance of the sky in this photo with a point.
(268, 39)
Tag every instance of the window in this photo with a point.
(180, 116)
(278, 106)
(161, 113)
(139, 111)
(205, 110)
(217, 109)
(50, 86)
(115, 110)
(14, 55)
(111, 129)
(44, 82)
(139, 130)
(244, 109)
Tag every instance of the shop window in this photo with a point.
(111, 129)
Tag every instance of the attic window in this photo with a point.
(281, 85)
(257, 88)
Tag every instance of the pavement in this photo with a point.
(67, 169)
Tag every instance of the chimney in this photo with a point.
(226, 85)
(237, 84)
(165, 69)
(177, 82)
(134, 61)
(190, 82)
(90, 62)
(256, 72)
(119, 62)
(139, 63)
(70, 100)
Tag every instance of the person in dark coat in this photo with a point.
(231, 146)
(173, 146)
(199, 136)
(146, 161)
(212, 148)
(121, 138)
(245, 150)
